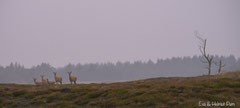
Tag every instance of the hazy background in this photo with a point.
(121, 71)
(86, 31)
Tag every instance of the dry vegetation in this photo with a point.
(157, 92)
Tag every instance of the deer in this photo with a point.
(50, 82)
(72, 78)
(44, 81)
(37, 83)
(57, 79)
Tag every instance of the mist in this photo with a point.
(59, 32)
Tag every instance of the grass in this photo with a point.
(157, 92)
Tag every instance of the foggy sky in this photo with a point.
(84, 31)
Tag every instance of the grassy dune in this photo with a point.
(157, 92)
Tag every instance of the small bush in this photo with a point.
(139, 100)
(82, 101)
(175, 94)
(193, 95)
(65, 90)
(143, 86)
(181, 100)
(237, 91)
(138, 93)
(222, 84)
(81, 92)
(51, 98)
(19, 93)
(94, 94)
(172, 87)
(29, 95)
(42, 92)
(108, 105)
(64, 104)
(216, 91)
(234, 85)
(3, 94)
(213, 97)
(197, 89)
(173, 103)
(162, 99)
(149, 103)
(122, 94)
(69, 97)
(181, 88)
(1, 103)
(37, 102)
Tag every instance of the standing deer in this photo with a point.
(37, 83)
(44, 81)
(72, 78)
(57, 79)
(50, 82)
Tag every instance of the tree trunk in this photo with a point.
(209, 68)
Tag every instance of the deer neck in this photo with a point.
(55, 76)
(43, 79)
(70, 77)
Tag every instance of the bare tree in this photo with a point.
(220, 65)
(202, 47)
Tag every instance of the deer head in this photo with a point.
(69, 73)
(34, 79)
(42, 76)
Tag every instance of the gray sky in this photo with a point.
(85, 31)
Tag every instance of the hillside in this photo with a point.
(158, 92)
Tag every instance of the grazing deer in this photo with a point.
(57, 79)
(50, 82)
(72, 78)
(44, 81)
(37, 83)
